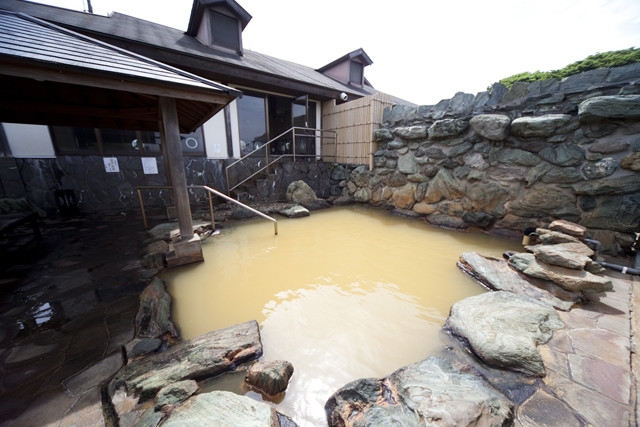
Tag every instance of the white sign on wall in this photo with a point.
(149, 165)
(111, 164)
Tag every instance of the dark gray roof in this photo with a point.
(51, 75)
(358, 53)
(22, 36)
(156, 36)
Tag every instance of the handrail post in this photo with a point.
(211, 213)
(144, 215)
(267, 147)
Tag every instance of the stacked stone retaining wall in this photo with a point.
(505, 160)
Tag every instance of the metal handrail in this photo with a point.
(267, 148)
(209, 191)
(242, 205)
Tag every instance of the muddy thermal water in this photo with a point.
(346, 293)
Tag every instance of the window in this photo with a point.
(225, 31)
(89, 141)
(356, 73)
(252, 122)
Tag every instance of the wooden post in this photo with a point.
(171, 131)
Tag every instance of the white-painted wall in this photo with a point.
(215, 137)
(29, 141)
(235, 129)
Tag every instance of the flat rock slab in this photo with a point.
(572, 280)
(575, 256)
(223, 408)
(504, 329)
(498, 276)
(431, 392)
(203, 357)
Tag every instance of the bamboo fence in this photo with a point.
(354, 123)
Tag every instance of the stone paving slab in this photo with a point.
(67, 305)
(588, 364)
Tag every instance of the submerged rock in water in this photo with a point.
(270, 377)
(504, 329)
(431, 392)
(498, 276)
(210, 354)
(295, 211)
(572, 280)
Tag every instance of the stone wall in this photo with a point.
(95, 190)
(505, 160)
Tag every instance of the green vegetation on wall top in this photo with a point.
(616, 58)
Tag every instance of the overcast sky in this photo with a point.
(422, 50)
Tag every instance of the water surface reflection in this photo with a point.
(346, 293)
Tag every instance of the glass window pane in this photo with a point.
(355, 74)
(71, 140)
(224, 31)
(116, 141)
(252, 123)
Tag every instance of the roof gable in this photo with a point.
(358, 54)
(198, 10)
(348, 69)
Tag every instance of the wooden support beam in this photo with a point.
(169, 117)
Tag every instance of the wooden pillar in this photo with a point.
(175, 161)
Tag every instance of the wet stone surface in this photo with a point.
(67, 305)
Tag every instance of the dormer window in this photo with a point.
(356, 73)
(225, 31)
(218, 23)
(348, 69)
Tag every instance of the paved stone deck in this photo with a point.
(68, 304)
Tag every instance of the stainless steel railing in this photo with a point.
(263, 157)
(209, 192)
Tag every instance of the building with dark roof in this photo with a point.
(280, 110)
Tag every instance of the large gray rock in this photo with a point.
(154, 313)
(444, 186)
(498, 276)
(610, 107)
(551, 237)
(176, 393)
(411, 132)
(575, 256)
(504, 329)
(514, 156)
(572, 280)
(447, 128)
(569, 228)
(622, 185)
(549, 200)
(541, 126)
(427, 393)
(299, 192)
(565, 154)
(491, 126)
(211, 354)
(223, 408)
